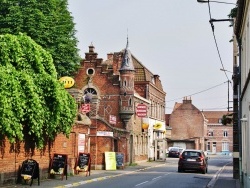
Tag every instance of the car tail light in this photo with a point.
(200, 159)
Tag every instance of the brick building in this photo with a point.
(118, 85)
(195, 129)
(219, 137)
(108, 93)
(189, 126)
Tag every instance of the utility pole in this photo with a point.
(228, 95)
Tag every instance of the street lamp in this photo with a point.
(201, 1)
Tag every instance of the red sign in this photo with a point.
(85, 108)
(112, 119)
(141, 110)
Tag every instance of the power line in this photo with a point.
(216, 44)
(198, 92)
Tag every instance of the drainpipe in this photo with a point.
(240, 113)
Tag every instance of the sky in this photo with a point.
(172, 38)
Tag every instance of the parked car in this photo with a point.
(174, 152)
(191, 159)
(167, 151)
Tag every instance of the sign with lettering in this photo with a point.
(59, 165)
(141, 110)
(104, 133)
(30, 170)
(110, 161)
(81, 142)
(119, 159)
(83, 163)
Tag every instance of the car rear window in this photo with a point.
(174, 149)
(191, 154)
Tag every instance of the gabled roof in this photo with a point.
(142, 74)
(214, 116)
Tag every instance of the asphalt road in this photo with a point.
(163, 176)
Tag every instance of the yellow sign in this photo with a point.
(67, 81)
(157, 126)
(110, 161)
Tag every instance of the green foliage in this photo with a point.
(32, 101)
(49, 24)
(226, 119)
(233, 13)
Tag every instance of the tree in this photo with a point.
(49, 24)
(33, 103)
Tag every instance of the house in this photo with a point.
(189, 126)
(219, 139)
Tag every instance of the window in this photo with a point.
(225, 133)
(225, 146)
(208, 146)
(210, 133)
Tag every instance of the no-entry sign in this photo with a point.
(141, 110)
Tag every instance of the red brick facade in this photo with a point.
(219, 136)
(110, 92)
(189, 127)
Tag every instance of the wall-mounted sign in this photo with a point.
(157, 125)
(141, 110)
(85, 108)
(104, 133)
(112, 119)
(81, 142)
(67, 81)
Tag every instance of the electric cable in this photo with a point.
(216, 44)
(198, 92)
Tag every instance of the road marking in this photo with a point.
(141, 183)
(216, 176)
(156, 178)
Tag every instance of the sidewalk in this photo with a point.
(224, 177)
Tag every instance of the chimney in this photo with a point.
(110, 55)
(187, 100)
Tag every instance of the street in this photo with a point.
(150, 174)
(165, 175)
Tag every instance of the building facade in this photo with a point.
(242, 75)
(189, 126)
(219, 138)
(117, 87)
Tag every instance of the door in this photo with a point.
(214, 148)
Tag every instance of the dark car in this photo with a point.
(193, 160)
(174, 152)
